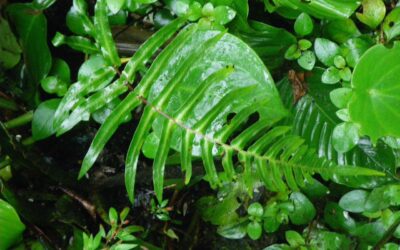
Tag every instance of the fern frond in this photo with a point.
(194, 84)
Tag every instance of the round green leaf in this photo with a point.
(345, 137)
(326, 50)
(254, 230)
(294, 238)
(331, 75)
(293, 52)
(307, 60)
(304, 211)
(345, 74)
(339, 62)
(304, 25)
(376, 94)
(304, 44)
(340, 97)
(343, 114)
(223, 14)
(255, 209)
(354, 201)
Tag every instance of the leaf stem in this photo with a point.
(20, 120)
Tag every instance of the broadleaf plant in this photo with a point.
(269, 120)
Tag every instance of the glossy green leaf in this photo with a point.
(233, 231)
(373, 13)
(103, 34)
(255, 209)
(375, 83)
(340, 97)
(326, 50)
(323, 9)
(314, 120)
(354, 48)
(254, 230)
(304, 211)
(294, 239)
(382, 197)
(345, 137)
(303, 25)
(42, 124)
(340, 30)
(270, 43)
(391, 24)
(11, 227)
(321, 239)
(78, 43)
(331, 75)
(115, 5)
(31, 26)
(307, 60)
(354, 201)
(337, 218)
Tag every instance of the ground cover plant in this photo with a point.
(199, 124)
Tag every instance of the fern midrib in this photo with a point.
(228, 146)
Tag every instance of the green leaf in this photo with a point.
(31, 26)
(303, 25)
(373, 13)
(293, 52)
(223, 14)
(382, 197)
(354, 201)
(219, 212)
(337, 218)
(375, 83)
(269, 42)
(314, 120)
(233, 231)
(43, 4)
(179, 7)
(113, 216)
(103, 34)
(304, 211)
(42, 123)
(294, 238)
(340, 30)
(323, 9)
(307, 60)
(255, 209)
(326, 50)
(340, 97)
(320, 239)
(11, 227)
(331, 75)
(254, 230)
(304, 44)
(345, 136)
(10, 52)
(370, 233)
(354, 48)
(391, 24)
(115, 5)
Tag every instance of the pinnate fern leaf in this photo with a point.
(195, 84)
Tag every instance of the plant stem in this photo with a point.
(19, 121)
(8, 104)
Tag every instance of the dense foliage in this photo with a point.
(226, 124)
